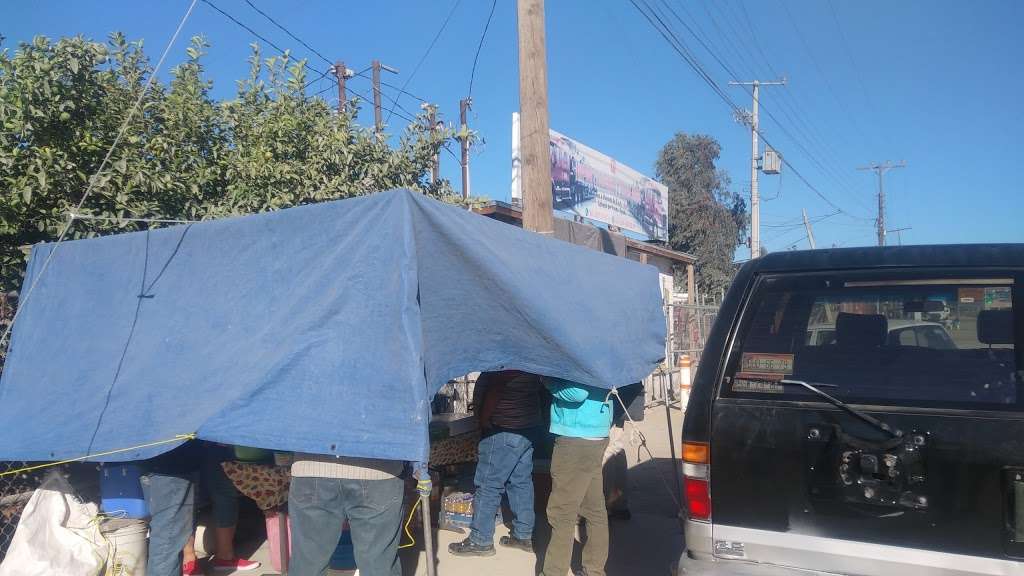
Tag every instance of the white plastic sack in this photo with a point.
(57, 535)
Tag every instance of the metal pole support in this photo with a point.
(672, 439)
(428, 535)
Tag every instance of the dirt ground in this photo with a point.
(646, 545)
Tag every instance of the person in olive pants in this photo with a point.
(580, 418)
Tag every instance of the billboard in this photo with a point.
(585, 182)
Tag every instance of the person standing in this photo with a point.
(169, 487)
(328, 490)
(224, 500)
(581, 417)
(507, 404)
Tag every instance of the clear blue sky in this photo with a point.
(935, 83)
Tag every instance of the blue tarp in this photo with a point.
(323, 328)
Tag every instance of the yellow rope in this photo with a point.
(177, 438)
(412, 540)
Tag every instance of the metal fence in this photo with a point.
(691, 325)
(15, 490)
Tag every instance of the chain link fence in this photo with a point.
(15, 490)
(691, 325)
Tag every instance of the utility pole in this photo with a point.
(534, 134)
(755, 198)
(881, 169)
(810, 232)
(435, 165)
(899, 235)
(378, 122)
(464, 105)
(342, 74)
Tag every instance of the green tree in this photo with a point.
(706, 219)
(185, 155)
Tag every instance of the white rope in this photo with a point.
(95, 176)
(148, 220)
(637, 438)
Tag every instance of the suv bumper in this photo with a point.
(693, 567)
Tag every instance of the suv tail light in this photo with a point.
(696, 480)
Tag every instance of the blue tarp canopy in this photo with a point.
(324, 328)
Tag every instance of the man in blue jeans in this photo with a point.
(508, 406)
(328, 490)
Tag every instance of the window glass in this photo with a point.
(921, 342)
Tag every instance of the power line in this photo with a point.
(480, 45)
(666, 32)
(849, 54)
(821, 71)
(423, 58)
(304, 63)
(247, 28)
(736, 109)
(794, 119)
(286, 31)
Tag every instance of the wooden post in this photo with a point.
(378, 121)
(464, 106)
(534, 135)
(691, 285)
(339, 73)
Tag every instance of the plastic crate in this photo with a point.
(121, 491)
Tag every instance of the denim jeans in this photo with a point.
(171, 501)
(319, 506)
(505, 466)
(221, 490)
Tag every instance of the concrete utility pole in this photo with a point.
(755, 197)
(342, 74)
(534, 135)
(464, 105)
(810, 232)
(881, 169)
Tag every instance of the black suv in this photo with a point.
(823, 435)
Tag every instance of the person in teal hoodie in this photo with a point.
(581, 416)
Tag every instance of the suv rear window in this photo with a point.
(920, 341)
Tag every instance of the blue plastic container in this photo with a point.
(344, 556)
(121, 491)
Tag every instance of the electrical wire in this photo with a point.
(479, 46)
(821, 71)
(423, 58)
(705, 42)
(849, 54)
(95, 177)
(284, 52)
(821, 166)
(669, 36)
(789, 107)
(286, 31)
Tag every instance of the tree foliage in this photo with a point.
(706, 219)
(185, 155)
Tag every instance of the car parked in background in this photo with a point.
(901, 332)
